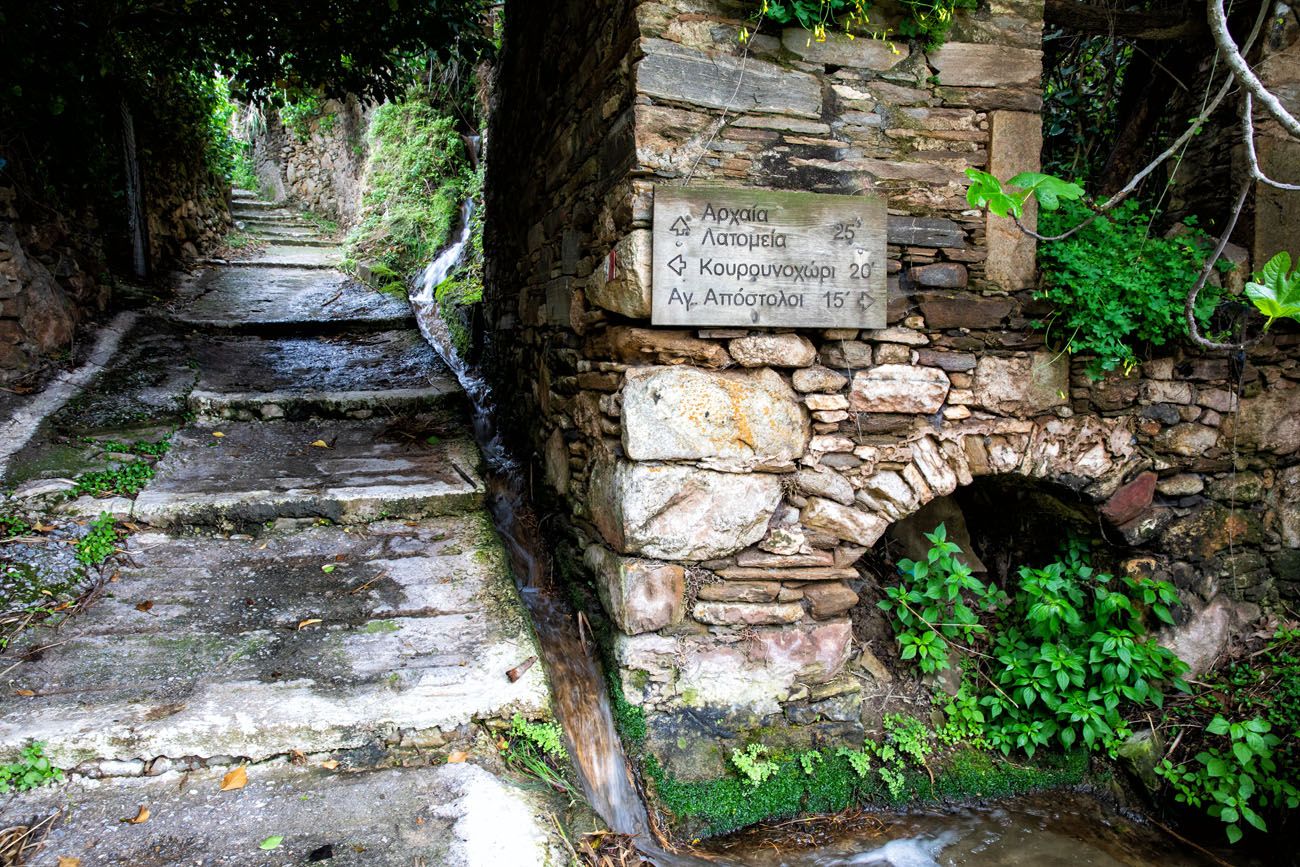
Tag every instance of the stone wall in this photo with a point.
(322, 171)
(53, 264)
(725, 484)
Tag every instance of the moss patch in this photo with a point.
(718, 806)
(418, 174)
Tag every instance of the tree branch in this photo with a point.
(1189, 308)
(1193, 128)
(1248, 132)
(1241, 69)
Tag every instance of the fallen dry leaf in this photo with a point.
(236, 779)
(321, 444)
(308, 622)
(218, 434)
(145, 605)
(330, 764)
(455, 757)
(298, 757)
(25, 693)
(43, 528)
(503, 744)
(140, 817)
(69, 861)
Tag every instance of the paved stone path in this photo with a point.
(315, 593)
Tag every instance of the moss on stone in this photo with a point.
(721, 805)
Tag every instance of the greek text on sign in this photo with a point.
(768, 258)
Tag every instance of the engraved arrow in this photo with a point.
(680, 227)
(677, 264)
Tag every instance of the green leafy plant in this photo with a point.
(754, 764)
(31, 771)
(537, 750)
(937, 601)
(123, 480)
(418, 177)
(815, 16)
(810, 760)
(1220, 766)
(142, 448)
(1230, 784)
(859, 760)
(926, 21)
(986, 191)
(98, 544)
(298, 115)
(1276, 290)
(1116, 287)
(1065, 652)
(13, 525)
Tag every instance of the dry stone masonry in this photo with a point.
(723, 481)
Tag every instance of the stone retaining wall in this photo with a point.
(723, 483)
(323, 172)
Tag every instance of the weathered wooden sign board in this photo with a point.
(768, 258)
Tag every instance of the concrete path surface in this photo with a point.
(311, 590)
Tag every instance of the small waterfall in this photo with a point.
(580, 697)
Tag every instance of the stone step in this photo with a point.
(353, 376)
(296, 241)
(238, 194)
(448, 815)
(255, 205)
(296, 256)
(257, 472)
(286, 229)
(278, 218)
(249, 647)
(267, 300)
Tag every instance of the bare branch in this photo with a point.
(1193, 128)
(1241, 69)
(1189, 308)
(1248, 132)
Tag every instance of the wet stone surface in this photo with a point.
(270, 299)
(258, 472)
(406, 816)
(385, 641)
(368, 362)
(212, 646)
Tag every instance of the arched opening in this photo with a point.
(1000, 523)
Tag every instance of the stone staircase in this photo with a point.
(314, 592)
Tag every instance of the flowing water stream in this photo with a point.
(1055, 828)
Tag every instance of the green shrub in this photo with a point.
(1230, 783)
(1064, 653)
(297, 115)
(418, 176)
(1116, 287)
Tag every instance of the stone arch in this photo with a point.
(1085, 453)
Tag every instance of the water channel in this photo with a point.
(1042, 830)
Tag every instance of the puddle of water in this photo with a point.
(1055, 829)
